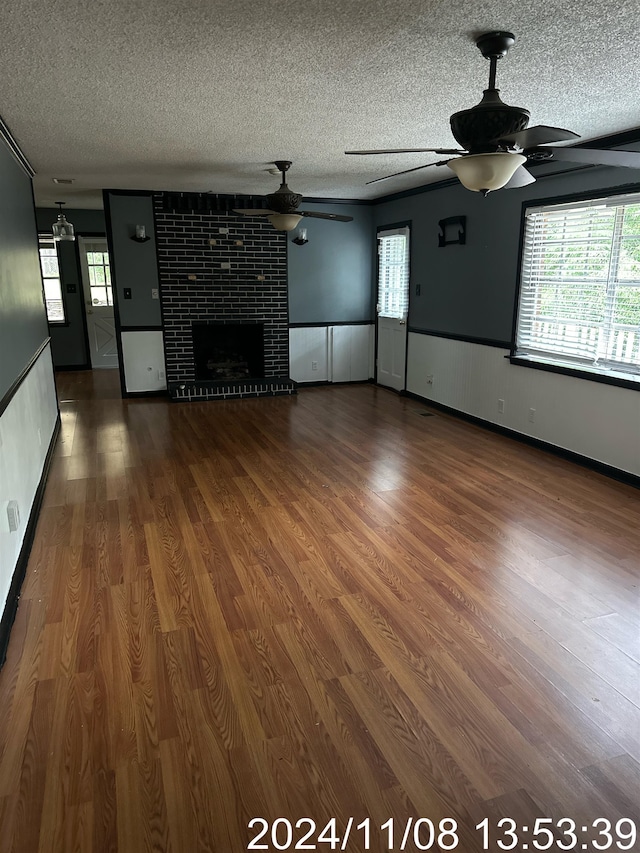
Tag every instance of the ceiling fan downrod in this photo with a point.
(493, 46)
(478, 129)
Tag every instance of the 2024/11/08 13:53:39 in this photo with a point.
(423, 834)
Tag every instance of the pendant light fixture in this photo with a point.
(62, 230)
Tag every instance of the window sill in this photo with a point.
(610, 378)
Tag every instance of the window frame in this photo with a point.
(578, 371)
(42, 238)
(402, 229)
(86, 268)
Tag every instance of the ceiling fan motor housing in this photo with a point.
(480, 128)
(283, 200)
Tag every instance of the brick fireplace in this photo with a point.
(223, 293)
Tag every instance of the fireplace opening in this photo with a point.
(228, 351)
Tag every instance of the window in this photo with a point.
(393, 272)
(50, 269)
(99, 272)
(579, 303)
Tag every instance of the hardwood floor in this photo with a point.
(315, 607)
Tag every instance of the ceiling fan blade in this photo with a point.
(409, 151)
(540, 134)
(521, 178)
(250, 211)
(317, 215)
(593, 156)
(407, 171)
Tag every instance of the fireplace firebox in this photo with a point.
(227, 352)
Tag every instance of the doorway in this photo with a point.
(98, 298)
(393, 306)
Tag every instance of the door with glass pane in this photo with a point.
(98, 296)
(393, 306)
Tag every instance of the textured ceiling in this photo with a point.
(203, 95)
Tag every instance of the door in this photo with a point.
(393, 306)
(96, 278)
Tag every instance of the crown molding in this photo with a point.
(15, 149)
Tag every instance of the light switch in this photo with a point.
(155, 293)
(13, 516)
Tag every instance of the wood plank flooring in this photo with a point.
(315, 607)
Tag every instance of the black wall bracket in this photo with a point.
(453, 230)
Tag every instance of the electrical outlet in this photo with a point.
(225, 265)
(501, 407)
(223, 230)
(314, 365)
(532, 416)
(430, 379)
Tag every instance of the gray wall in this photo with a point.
(68, 343)
(331, 277)
(470, 290)
(133, 264)
(23, 324)
(28, 416)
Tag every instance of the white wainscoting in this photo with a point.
(26, 429)
(143, 357)
(599, 421)
(331, 353)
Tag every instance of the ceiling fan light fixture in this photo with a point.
(483, 173)
(284, 221)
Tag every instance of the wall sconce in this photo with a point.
(301, 237)
(62, 230)
(141, 234)
(452, 230)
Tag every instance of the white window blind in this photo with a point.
(579, 300)
(393, 273)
